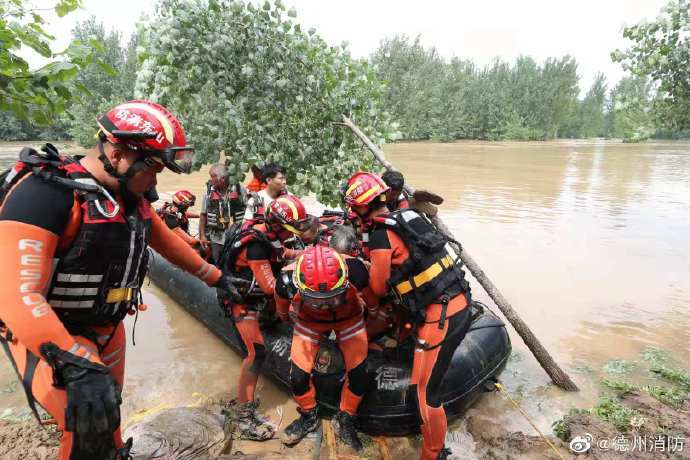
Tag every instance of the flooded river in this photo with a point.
(589, 240)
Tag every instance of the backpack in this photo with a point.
(44, 165)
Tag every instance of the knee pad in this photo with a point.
(358, 379)
(259, 358)
(299, 380)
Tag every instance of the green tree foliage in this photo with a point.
(247, 80)
(591, 110)
(38, 95)
(104, 88)
(443, 100)
(629, 113)
(661, 52)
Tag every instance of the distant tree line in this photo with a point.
(438, 99)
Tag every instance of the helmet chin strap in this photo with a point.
(110, 169)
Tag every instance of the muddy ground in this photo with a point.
(200, 432)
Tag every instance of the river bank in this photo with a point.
(649, 422)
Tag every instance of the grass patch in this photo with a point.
(670, 396)
(612, 411)
(677, 376)
(619, 385)
(655, 355)
(561, 430)
(619, 366)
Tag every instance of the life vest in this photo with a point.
(169, 209)
(430, 274)
(401, 202)
(238, 238)
(102, 257)
(222, 210)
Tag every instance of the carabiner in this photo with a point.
(116, 205)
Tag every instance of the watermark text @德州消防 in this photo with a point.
(629, 443)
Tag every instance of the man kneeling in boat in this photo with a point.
(255, 254)
(408, 253)
(324, 289)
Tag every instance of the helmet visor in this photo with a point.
(177, 159)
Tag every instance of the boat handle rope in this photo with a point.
(500, 388)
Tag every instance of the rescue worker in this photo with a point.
(176, 215)
(255, 254)
(324, 289)
(395, 196)
(223, 205)
(255, 184)
(273, 176)
(74, 237)
(409, 254)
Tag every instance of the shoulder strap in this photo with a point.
(72, 228)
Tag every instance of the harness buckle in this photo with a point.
(122, 294)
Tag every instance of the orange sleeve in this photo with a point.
(282, 305)
(25, 272)
(185, 236)
(380, 271)
(192, 215)
(264, 275)
(179, 253)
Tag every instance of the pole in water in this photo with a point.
(558, 376)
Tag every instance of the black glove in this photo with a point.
(93, 398)
(227, 288)
(93, 401)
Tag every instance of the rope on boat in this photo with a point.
(500, 388)
(329, 436)
(383, 448)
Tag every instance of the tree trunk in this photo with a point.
(558, 376)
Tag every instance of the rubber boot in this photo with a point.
(251, 425)
(344, 426)
(444, 454)
(307, 422)
(124, 452)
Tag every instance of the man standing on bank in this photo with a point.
(74, 238)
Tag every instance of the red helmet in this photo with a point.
(321, 277)
(288, 212)
(363, 188)
(150, 129)
(184, 198)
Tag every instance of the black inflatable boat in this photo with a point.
(388, 408)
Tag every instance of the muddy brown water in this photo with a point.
(589, 240)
